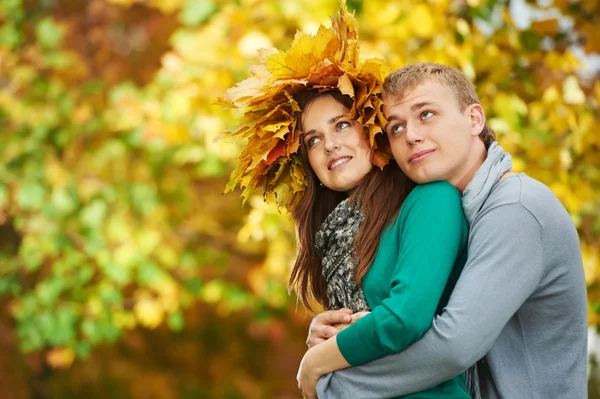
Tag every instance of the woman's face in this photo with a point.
(338, 152)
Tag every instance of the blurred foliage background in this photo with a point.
(124, 271)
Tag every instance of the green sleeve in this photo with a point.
(433, 234)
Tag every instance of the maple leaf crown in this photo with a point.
(268, 100)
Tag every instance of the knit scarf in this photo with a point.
(334, 246)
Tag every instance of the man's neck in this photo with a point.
(506, 174)
(462, 183)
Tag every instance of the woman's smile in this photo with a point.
(337, 162)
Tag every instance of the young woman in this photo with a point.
(366, 241)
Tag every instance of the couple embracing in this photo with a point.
(445, 273)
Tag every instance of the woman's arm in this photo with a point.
(434, 233)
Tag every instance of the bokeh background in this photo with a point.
(124, 270)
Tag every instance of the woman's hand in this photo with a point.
(308, 377)
(318, 361)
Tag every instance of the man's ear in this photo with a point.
(477, 118)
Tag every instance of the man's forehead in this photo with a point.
(392, 101)
(428, 92)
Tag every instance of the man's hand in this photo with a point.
(359, 315)
(327, 324)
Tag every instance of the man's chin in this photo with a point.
(425, 179)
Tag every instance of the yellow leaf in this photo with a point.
(345, 85)
(148, 311)
(591, 263)
(572, 93)
(60, 357)
(251, 42)
(545, 27)
(421, 21)
(213, 291)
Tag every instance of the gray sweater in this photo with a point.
(520, 302)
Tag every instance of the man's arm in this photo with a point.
(503, 269)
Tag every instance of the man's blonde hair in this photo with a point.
(405, 79)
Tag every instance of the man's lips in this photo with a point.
(419, 155)
(335, 162)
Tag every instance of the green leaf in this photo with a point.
(31, 254)
(143, 197)
(83, 349)
(31, 337)
(48, 291)
(3, 196)
(10, 36)
(63, 201)
(118, 273)
(149, 273)
(48, 33)
(93, 215)
(175, 321)
(194, 285)
(31, 196)
(110, 295)
(92, 331)
(196, 12)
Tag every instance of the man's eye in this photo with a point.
(312, 141)
(342, 125)
(426, 114)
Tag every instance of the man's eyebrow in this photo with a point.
(418, 106)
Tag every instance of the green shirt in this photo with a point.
(419, 259)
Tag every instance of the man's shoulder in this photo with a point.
(523, 191)
(518, 188)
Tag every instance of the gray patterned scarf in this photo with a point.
(334, 246)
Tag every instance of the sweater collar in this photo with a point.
(489, 173)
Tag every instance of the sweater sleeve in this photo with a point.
(497, 279)
(433, 233)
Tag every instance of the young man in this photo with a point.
(520, 304)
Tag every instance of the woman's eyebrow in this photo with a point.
(335, 118)
(331, 121)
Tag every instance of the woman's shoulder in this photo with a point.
(435, 191)
(435, 200)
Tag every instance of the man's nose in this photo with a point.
(414, 134)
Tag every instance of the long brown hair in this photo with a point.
(379, 194)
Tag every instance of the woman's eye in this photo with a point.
(342, 125)
(397, 129)
(312, 141)
(426, 114)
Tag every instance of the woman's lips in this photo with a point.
(334, 163)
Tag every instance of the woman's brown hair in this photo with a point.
(379, 195)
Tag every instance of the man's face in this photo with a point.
(430, 137)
